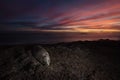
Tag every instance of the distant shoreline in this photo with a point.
(39, 43)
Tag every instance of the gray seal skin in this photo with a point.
(41, 55)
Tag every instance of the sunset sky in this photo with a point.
(61, 16)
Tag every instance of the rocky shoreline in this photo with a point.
(67, 61)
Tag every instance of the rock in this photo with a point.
(41, 55)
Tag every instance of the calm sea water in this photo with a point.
(42, 37)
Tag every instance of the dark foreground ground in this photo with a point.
(95, 60)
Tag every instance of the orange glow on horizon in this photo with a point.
(84, 30)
